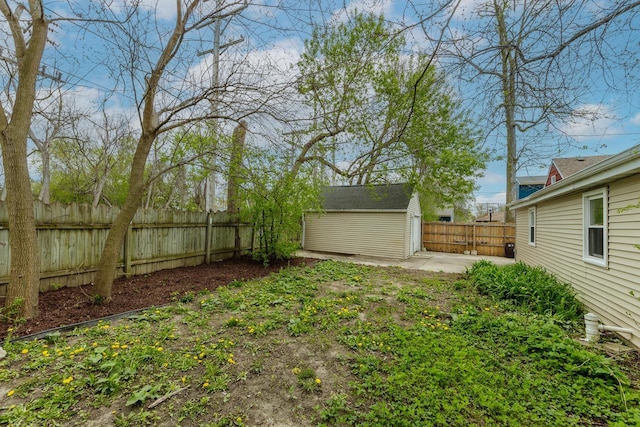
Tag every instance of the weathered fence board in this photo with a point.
(71, 240)
(485, 238)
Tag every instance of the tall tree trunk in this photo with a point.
(98, 188)
(235, 166)
(45, 191)
(106, 273)
(24, 275)
(509, 104)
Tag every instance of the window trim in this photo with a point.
(531, 228)
(600, 193)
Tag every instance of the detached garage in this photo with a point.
(375, 220)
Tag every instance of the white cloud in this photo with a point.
(636, 119)
(500, 198)
(273, 65)
(491, 178)
(164, 9)
(376, 7)
(591, 121)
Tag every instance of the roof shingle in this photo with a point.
(367, 197)
(570, 165)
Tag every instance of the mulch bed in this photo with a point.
(67, 306)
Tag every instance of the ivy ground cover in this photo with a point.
(324, 345)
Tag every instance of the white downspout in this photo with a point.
(593, 328)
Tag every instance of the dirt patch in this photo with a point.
(72, 305)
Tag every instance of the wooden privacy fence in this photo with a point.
(485, 238)
(71, 238)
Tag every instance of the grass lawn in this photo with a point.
(332, 344)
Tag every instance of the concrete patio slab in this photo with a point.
(429, 261)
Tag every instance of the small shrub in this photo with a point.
(11, 313)
(531, 288)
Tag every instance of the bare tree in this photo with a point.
(86, 159)
(530, 63)
(54, 119)
(170, 94)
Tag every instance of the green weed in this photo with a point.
(531, 288)
(373, 347)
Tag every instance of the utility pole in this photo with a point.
(210, 182)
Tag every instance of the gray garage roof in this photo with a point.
(367, 197)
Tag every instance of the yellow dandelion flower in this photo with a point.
(10, 393)
(239, 420)
(205, 385)
(184, 379)
(159, 348)
(67, 380)
(231, 361)
(318, 381)
(25, 351)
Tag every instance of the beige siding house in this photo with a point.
(379, 220)
(585, 230)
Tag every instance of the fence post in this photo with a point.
(128, 250)
(207, 240)
(237, 245)
(466, 238)
(474, 237)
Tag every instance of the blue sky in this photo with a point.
(492, 185)
(280, 48)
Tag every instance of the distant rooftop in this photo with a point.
(532, 180)
(570, 165)
(495, 217)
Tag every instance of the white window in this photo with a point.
(553, 179)
(532, 226)
(595, 240)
